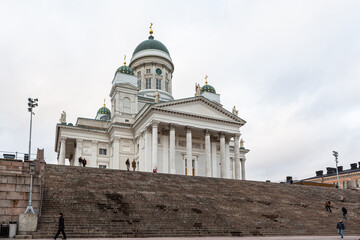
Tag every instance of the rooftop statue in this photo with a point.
(234, 111)
(157, 96)
(197, 89)
(63, 117)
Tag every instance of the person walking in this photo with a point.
(328, 205)
(341, 227)
(127, 164)
(344, 211)
(133, 164)
(84, 162)
(61, 227)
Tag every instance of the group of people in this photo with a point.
(340, 225)
(133, 164)
(82, 161)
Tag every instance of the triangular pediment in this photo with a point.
(199, 106)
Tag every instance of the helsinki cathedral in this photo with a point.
(193, 136)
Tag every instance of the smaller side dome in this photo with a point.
(208, 88)
(103, 113)
(125, 70)
(104, 110)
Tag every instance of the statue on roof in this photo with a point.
(157, 96)
(63, 117)
(234, 111)
(197, 89)
(242, 143)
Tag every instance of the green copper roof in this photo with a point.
(104, 110)
(151, 44)
(125, 69)
(208, 88)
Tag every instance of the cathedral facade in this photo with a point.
(193, 136)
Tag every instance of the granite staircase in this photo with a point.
(102, 203)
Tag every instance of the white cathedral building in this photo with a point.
(193, 136)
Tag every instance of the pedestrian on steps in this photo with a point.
(342, 199)
(328, 205)
(84, 162)
(127, 164)
(344, 210)
(61, 227)
(133, 164)
(341, 227)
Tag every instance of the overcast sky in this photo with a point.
(292, 68)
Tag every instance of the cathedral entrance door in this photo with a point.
(190, 169)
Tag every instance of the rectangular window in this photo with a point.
(102, 151)
(139, 84)
(158, 83)
(357, 183)
(148, 70)
(148, 83)
(138, 73)
(102, 166)
(166, 86)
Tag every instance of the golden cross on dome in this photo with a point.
(104, 102)
(125, 60)
(151, 31)
(206, 82)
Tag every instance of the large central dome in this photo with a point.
(151, 43)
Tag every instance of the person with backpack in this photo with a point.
(344, 210)
(341, 227)
(127, 164)
(328, 205)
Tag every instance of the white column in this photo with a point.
(227, 158)
(237, 156)
(154, 159)
(147, 150)
(222, 155)
(242, 168)
(78, 151)
(189, 150)
(116, 153)
(111, 156)
(62, 151)
(207, 154)
(94, 149)
(141, 152)
(172, 149)
(214, 158)
(165, 152)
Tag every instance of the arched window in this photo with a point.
(127, 105)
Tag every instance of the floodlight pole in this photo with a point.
(31, 113)
(337, 171)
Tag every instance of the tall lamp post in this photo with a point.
(29, 207)
(31, 104)
(336, 154)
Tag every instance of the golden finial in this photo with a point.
(104, 102)
(124, 60)
(206, 82)
(151, 31)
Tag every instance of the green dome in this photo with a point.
(151, 44)
(104, 110)
(125, 69)
(208, 88)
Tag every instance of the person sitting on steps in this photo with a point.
(328, 205)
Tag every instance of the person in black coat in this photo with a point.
(341, 227)
(344, 210)
(61, 227)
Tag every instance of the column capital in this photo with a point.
(222, 134)
(227, 139)
(188, 128)
(79, 141)
(154, 123)
(94, 142)
(242, 160)
(237, 135)
(63, 139)
(116, 138)
(207, 131)
(172, 126)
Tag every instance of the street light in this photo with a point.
(29, 207)
(31, 104)
(336, 154)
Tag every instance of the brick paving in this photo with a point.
(232, 238)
